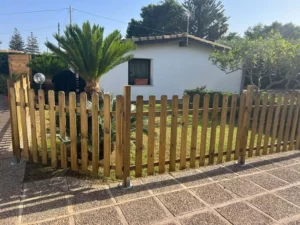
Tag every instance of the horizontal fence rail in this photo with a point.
(115, 137)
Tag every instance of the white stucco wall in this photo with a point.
(173, 69)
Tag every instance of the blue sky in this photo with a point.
(242, 13)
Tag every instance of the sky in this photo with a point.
(242, 13)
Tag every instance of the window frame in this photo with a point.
(149, 71)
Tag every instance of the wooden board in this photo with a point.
(231, 126)
(62, 128)
(254, 125)
(107, 135)
(34, 143)
(282, 122)
(151, 135)
(288, 125)
(95, 134)
(162, 133)
(184, 129)
(239, 127)
(41, 97)
(119, 133)
(296, 120)
(126, 133)
(73, 130)
(196, 103)
(214, 121)
(275, 122)
(139, 137)
(84, 131)
(269, 124)
(222, 128)
(174, 124)
(204, 129)
(52, 124)
(24, 124)
(261, 125)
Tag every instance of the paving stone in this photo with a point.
(204, 218)
(266, 180)
(295, 167)
(241, 170)
(241, 187)
(295, 222)
(191, 177)
(9, 212)
(284, 161)
(81, 183)
(213, 193)
(104, 216)
(161, 183)
(91, 198)
(264, 164)
(275, 206)
(286, 174)
(180, 202)
(291, 194)
(139, 190)
(63, 221)
(168, 222)
(218, 173)
(242, 214)
(41, 209)
(143, 211)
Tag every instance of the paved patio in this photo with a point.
(265, 191)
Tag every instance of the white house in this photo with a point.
(166, 65)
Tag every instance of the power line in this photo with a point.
(34, 29)
(29, 12)
(119, 21)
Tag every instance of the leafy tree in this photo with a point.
(32, 45)
(207, 19)
(230, 37)
(89, 54)
(16, 41)
(166, 16)
(267, 61)
(288, 30)
(49, 65)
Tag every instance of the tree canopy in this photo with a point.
(16, 41)
(207, 19)
(32, 45)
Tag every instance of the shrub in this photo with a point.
(3, 84)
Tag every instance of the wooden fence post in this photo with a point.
(246, 123)
(126, 136)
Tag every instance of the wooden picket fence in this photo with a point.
(180, 134)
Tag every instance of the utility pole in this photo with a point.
(58, 32)
(70, 12)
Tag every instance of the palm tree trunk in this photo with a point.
(92, 86)
(48, 85)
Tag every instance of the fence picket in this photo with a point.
(295, 122)
(254, 125)
(222, 127)
(139, 137)
(62, 128)
(107, 135)
(52, 124)
(34, 143)
(269, 124)
(162, 136)
(204, 129)
(126, 134)
(174, 124)
(14, 124)
(276, 121)
(73, 130)
(83, 132)
(24, 124)
(119, 133)
(282, 122)
(214, 121)
(231, 126)
(151, 135)
(261, 124)
(41, 96)
(288, 123)
(239, 127)
(95, 133)
(184, 129)
(196, 102)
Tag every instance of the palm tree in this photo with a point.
(48, 64)
(89, 54)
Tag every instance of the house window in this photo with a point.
(139, 72)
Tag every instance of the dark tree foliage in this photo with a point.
(16, 41)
